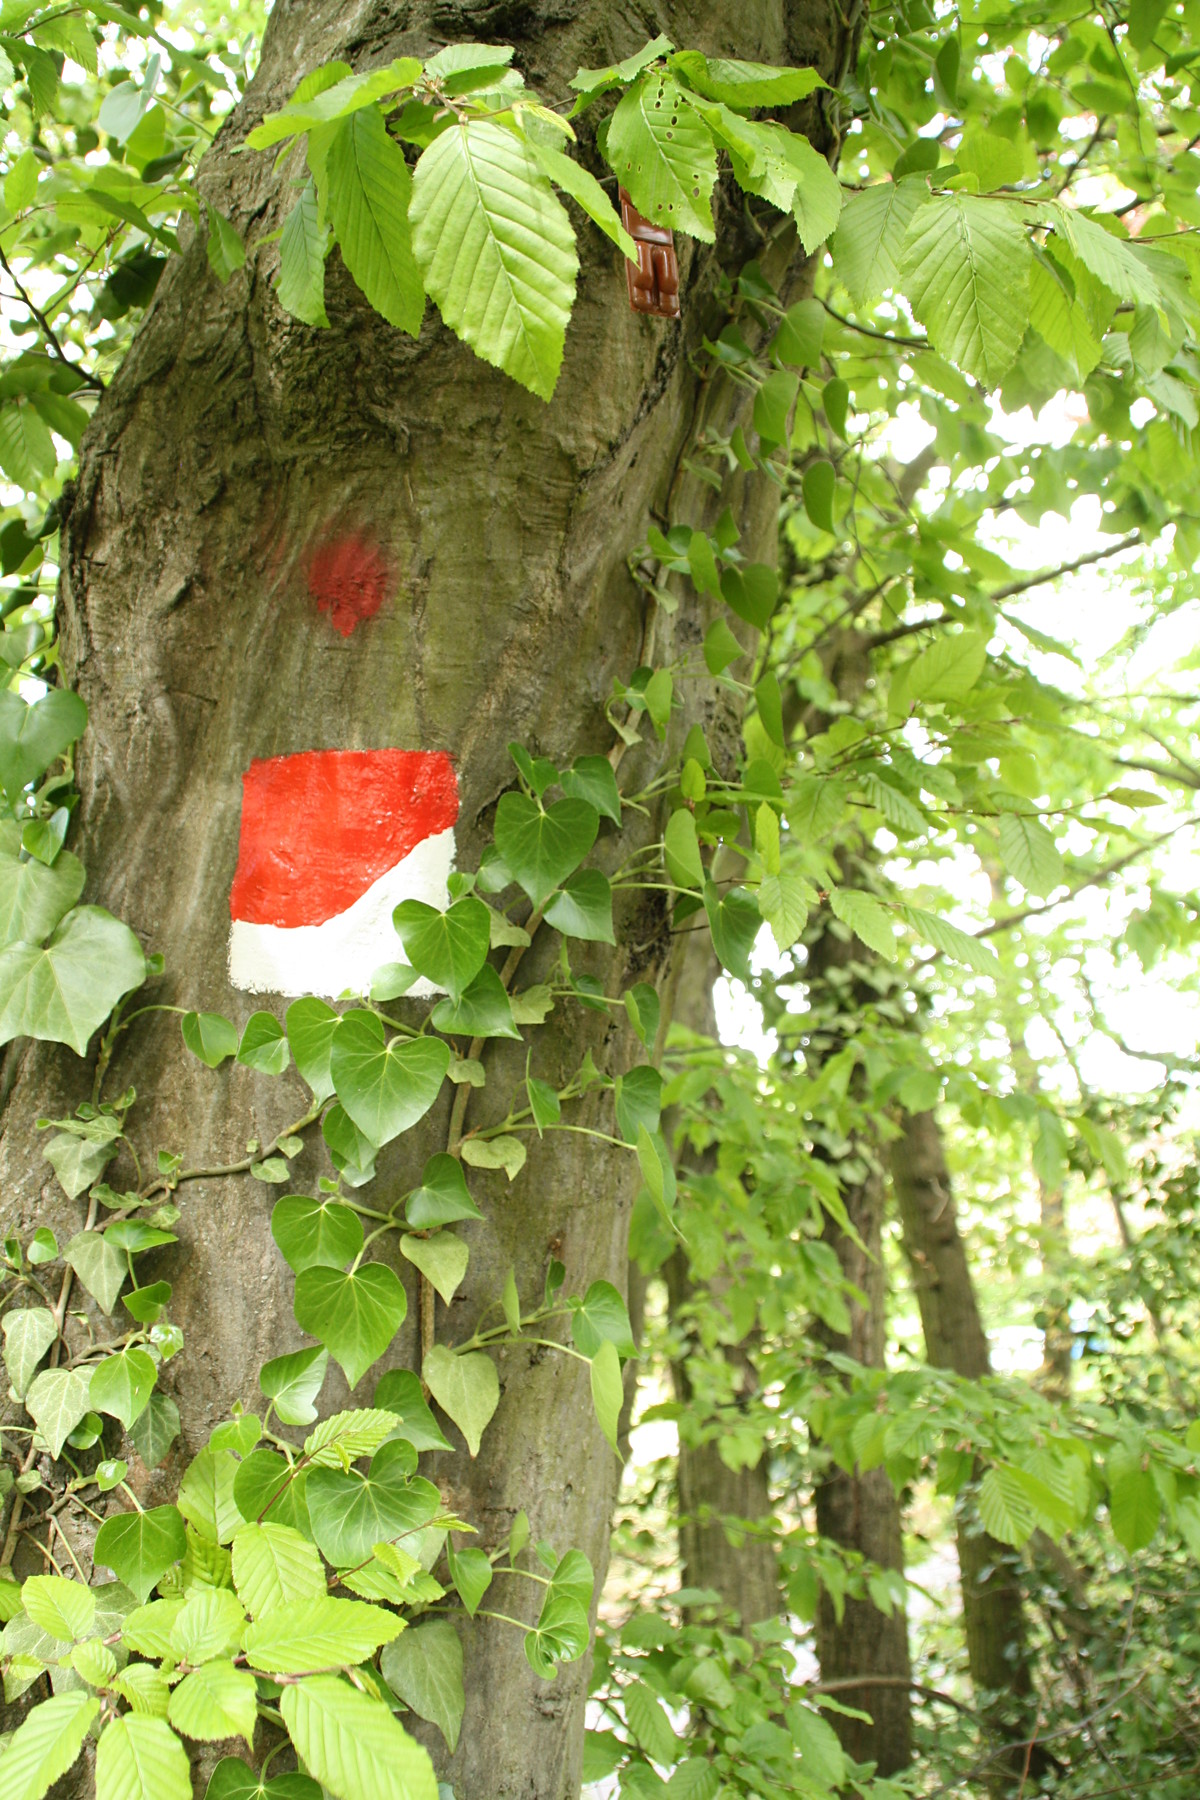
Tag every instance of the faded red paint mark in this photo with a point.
(348, 578)
(320, 827)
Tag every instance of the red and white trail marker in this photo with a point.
(331, 842)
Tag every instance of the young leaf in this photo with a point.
(471, 1573)
(99, 1265)
(507, 1153)
(664, 155)
(46, 1744)
(442, 1259)
(369, 191)
(466, 1387)
(496, 249)
(140, 1758)
(355, 1316)
(442, 1196)
(210, 1037)
(424, 1668)
(65, 1609)
(310, 1027)
(155, 1430)
(293, 1383)
(352, 1743)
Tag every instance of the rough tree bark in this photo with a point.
(232, 443)
(993, 1617)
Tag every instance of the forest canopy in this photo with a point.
(713, 1310)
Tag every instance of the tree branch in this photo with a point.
(89, 380)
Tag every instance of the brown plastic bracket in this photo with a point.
(654, 283)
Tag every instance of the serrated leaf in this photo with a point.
(950, 668)
(649, 1723)
(65, 990)
(26, 447)
(424, 1667)
(303, 246)
(869, 242)
(46, 1744)
(1030, 853)
(65, 1609)
(966, 270)
(275, 1566)
(369, 189)
(586, 191)
(867, 919)
(664, 155)
(783, 901)
(140, 1758)
(322, 1633)
(215, 1701)
(349, 1435)
(353, 1744)
(1005, 1508)
(496, 249)
(466, 1387)
(959, 945)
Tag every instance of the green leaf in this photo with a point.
(561, 1634)
(496, 249)
(369, 189)
(822, 1756)
(471, 1573)
(215, 1701)
(33, 898)
(312, 1233)
(966, 271)
(682, 850)
(303, 247)
(206, 1495)
(664, 155)
(483, 1011)
(448, 948)
(586, 191)
(1110, 258)
(264, 1487)
(318, 1633)
(649, 1723)
(34, 736)
(1134, 1505)
(507, 1153)
(26, 454)
(122, 1384)
(543, 845)
(601, 1317)
(734, 920)
(355, 1316)
(591, 82)
(99, 1265)
(233, 1780)
(950, 668)
(720, 647)
(424, 1668)
(28, 1334)
(442, 1259)
(385, 1089)
(1030, 853)
(293, 1383)
(56, 1401)
(65, 1609)
(352, 1512)
(154, 1432)
(870, 922)
(442, 1197)
(64, 991)
(744, 83)
(210, 1037)
(46, 1744)
(783, 901)
(658, 1171)
(140, 1758)
(869, 242)
(638, 1102)
(960, 945)
(607, 1391)
(353, 1744)
(819, 486)
(310, 1027)
(275, 1566)
(1005, 1508)
(591, 778)
(264, 1045)
(348, 1435)
(139, 1547)
(399, 1392)
(466, 1387)
(351, 1151)
(224, 249)
(582, 908)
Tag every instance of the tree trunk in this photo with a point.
(232, 446)
(993, 1618)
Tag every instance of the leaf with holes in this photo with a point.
(664, 155)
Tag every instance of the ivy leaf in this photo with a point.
(33, 898)
(561, 1634)
(46, 1744)
(870, 922)
(582, 908)
(293, 1383)
(139, 1547)
(275, 1566)
(64, 991)
(210, 1037)
(448, 948)
(140, 1758)
(353, 1744)
(350, 1150)
(966, 271)
(399, 1392)
(466, 1387)
(424, 1668)
(507, 1153)
(355, 1316)
(264, 1488)
(638, 1101)
(303, 247)
(264, 1045)
(56, 1401)
(385, 1088)
(99, 1265)
(664, 155)
(442, 1259)
(122, 1384)
(471, 1573)
(352, 1512)
(442, 1197)
(1030, 853)
(233, 1780)
(28, 1334)
(601, 1317)
(369, 188)
(34, 735)
(496, 249)
(607, 1391)
(224, 249)
(734, 920)
(153, 1433)
(313, 1233)
(682, 850)
(216, 1701)
(310, 1027)
(592, 778)
(542, 845)
(483, 1011)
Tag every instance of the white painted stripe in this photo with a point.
(343, 953)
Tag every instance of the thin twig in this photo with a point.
(88, 379)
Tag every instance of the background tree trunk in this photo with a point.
(232, 443)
